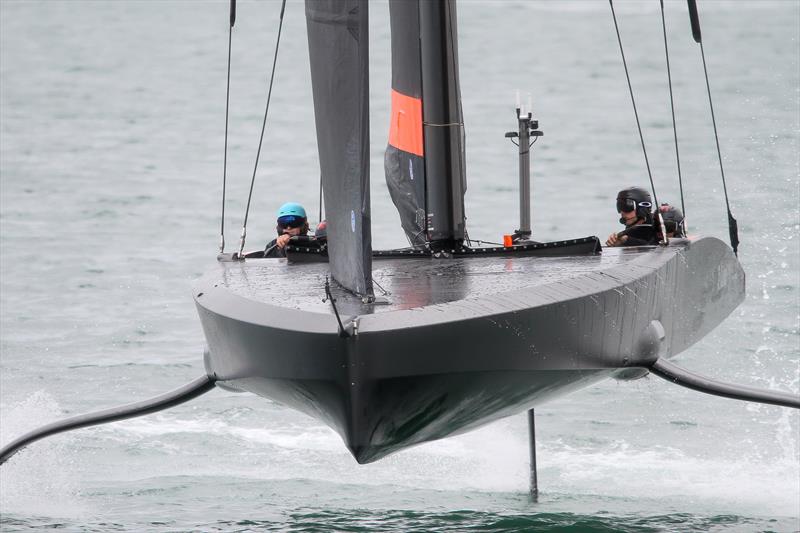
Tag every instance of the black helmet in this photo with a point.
(638, 199)
(673, 219)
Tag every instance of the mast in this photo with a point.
(424, 159)
(443, 128)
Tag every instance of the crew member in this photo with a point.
(292, 222)
(321, 233)
(673, 221)
(634, 205)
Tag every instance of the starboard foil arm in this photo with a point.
(169, 399)
(680, 376)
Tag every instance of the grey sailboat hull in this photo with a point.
(446, 356)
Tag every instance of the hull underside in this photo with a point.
(458, 342)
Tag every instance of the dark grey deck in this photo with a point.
(410, 283)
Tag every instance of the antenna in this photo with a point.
(527, 127)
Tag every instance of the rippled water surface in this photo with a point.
(111, 133)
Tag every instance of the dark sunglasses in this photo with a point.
(291, 221)
(626, 205)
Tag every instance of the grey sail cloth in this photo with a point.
(338, 45)
(405, 169)
(425, 169)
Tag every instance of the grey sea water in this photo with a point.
(111, 137)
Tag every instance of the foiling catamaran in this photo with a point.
(461, 335)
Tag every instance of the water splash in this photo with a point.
(43, 472)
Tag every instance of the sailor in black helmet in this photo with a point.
(634, 206)
(673, 221)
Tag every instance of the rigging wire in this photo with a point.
(320, 197)
(733, 227)
(385, 292)
(488, 242)
(263, 128)
(227, 106)
(329, 298)
(672, 107)
(638, 125)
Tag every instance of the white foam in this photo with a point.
(495, 459)
(741, 485)
(42, 472)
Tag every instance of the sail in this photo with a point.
(424, 162)
(338, 47)
(404, 165)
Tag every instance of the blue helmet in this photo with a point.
(293, 209)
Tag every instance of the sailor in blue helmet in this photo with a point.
(291, 222)
(634, 206)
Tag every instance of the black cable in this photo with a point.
(178, 396)
(672, 107)
(227, 106)
(385, 292)
(638, 124)
(263, 128)
(488, 242)
(342, 332)
(320, 197)
(269, 249)
(733, 229)
(675, 374)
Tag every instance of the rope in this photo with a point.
(638, 124)
(263, 128)
(672, 107)
(733, 229)
(227, 106)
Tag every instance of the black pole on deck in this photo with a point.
(527, 127)
(532, 438)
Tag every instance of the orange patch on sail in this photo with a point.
(405, 124)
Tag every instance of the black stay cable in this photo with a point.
(320, 198)
(227, 106)
(329, 298)
(638, 125)
(178, 396)
(672, 107)
(263, 128)
(733, 227)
